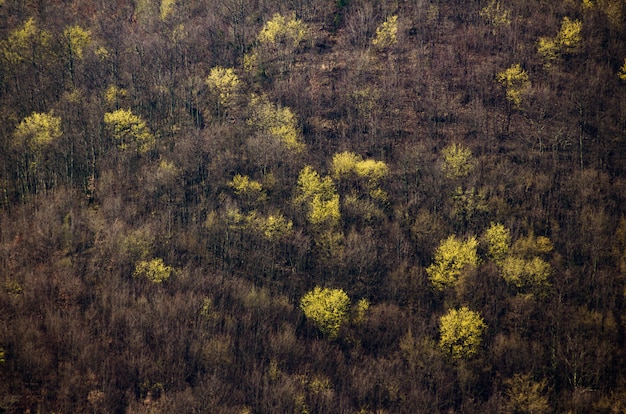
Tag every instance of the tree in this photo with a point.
(498, 240)
(32, 139)
(277, 137)
(38, 131)
(458, 161)
(320, 198)
(129, 130)
(522, 273)
(250, 190)
(526, 396)
(451, 258)
(155, 270)
(461, 332)
(386, 33)
(567, 41)
(622, 71)
(76, 39)
(516, 83)
(328, 308)
(225, 85)
(495, 16)
(277, 42)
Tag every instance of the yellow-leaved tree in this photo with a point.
(458, 161)
(622, 71)
(224, 85)
(498, 240)
(329, 309)
(567, 41)
(461, 331)
(452, 257)
(277, 42)
(387, 33)
(129, 130)
(276, 136)
(496, 16)
(155, 270)
(76, 40)
(516, 82)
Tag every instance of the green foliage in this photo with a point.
(386, 33)
(155, 270)
(225, 83)
(327, 308)
(38, 130)
(498, 240)
(515, 80)
(77, 39)
(458, 161)
(451, 258)
(496, 16)
(526, 396)
(279, 123)
(567, 41)
(461, 332)
(129, 130)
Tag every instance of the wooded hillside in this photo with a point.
(338, 206)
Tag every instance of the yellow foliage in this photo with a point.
(344, 164)
(498, 240)
(280, 123)
(281, 29)
(361, 308)
(77, 40)
(274, 226)
(324, 212)
(495, 15)
(458, 161)
(154, 270)
(567, 40)
(225, 82)
(113, 94)
(516, 82)
(451, 258)
(38, 130)
(386, 33)
(527, 396)
(622, 71)
(526, 272)
(25, 43)
(461, 332)
(166, 8)
(129, 129)
(372, 170)
(327, 308)
(242, 184)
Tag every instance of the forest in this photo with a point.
(331, 206)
